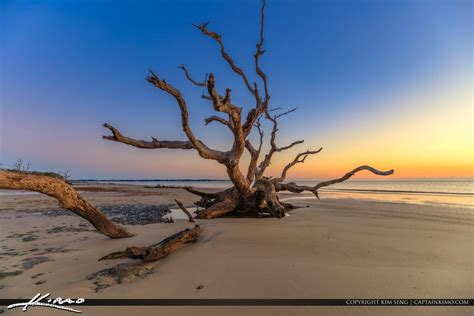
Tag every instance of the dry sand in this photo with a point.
(334, 248)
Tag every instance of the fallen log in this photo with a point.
(160, 250)
(66, 195)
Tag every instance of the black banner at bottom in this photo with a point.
(262, 302)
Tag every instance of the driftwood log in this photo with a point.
(253, 193)
(67, 197)
(160, 250)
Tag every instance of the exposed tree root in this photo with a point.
(218, 209)
(262, 200)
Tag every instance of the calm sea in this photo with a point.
(449, 193)
(458, 187)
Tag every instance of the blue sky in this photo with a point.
(69, 66)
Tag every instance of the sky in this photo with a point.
(385, 83)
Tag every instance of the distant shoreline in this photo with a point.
(226, 180)
(149, 180)
(419, 190)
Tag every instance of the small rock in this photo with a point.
(199, 287)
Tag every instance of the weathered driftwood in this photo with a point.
(253, 193)
(181, 206)
(293, 187)
(160, 250)
(66, 195)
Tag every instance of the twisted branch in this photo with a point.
(155, 143)
(293, 187)
(204, 151)
(200, 193)
(181, 206)
(273, 146)
(215, 118)
(300, 158)
(259, 53)
(188, 76)
(218, 38)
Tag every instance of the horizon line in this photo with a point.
(445, 179)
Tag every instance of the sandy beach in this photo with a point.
(331, 248)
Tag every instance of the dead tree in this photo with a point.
(253, 193)
(66, 195)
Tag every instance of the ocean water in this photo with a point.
(448, 193)
(439, 187)
(445, 193)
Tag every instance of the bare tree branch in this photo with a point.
(222, 104)
(215, 118)
(181, 206)
(293, 187)
(188, 76)
(351, 173)
(202, 149)
(273, 146)
(217, 37)
(284, 113)
(300, 158)
(259, 53)
(200, 193)
(155, 143)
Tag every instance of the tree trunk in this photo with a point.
(261, 200)
(67, 197)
